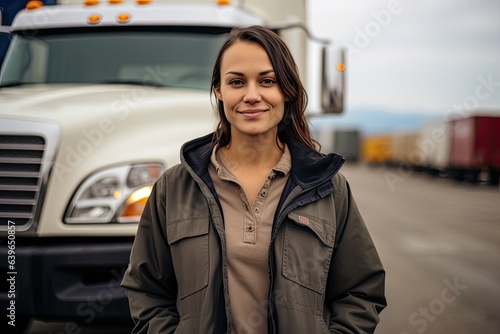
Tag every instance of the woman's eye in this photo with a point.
(236, 82)
(268, 81)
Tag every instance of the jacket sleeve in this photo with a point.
(150, 281)
(355, 287)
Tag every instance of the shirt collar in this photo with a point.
(285, 163)
(283, 166)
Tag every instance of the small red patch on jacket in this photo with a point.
(304, 220)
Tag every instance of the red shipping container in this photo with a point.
(476, 143)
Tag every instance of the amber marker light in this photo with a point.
(94, 18)
(123, 18)
(143, 2)
(341, 67)
(34, 4)
(114, 2)
(223, 2)
(91, 2)
(135, 203)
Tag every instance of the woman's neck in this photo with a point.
(253, 152)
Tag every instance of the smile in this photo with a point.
(252, 113)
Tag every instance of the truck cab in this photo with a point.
(96, 99)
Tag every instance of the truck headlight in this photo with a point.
(113, 195)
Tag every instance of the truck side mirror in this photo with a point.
(332, 82)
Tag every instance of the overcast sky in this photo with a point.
(416, 55)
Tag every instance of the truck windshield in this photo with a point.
(172, 59)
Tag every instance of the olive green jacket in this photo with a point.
(325, 274)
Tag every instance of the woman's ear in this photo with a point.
(217, 93)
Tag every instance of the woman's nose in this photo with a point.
(252, 94)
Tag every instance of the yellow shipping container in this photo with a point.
(376, 149)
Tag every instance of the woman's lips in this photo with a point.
(253, 113)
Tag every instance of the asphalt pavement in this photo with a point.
(439, 241)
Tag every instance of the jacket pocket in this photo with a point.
(188, 240)
(307, 250)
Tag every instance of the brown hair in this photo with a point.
(294, 123)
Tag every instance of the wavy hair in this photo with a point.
(294, 124)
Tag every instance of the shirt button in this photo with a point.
(263, 193)
(257, 210)
(249, 228)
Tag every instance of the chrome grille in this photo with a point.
(21, 160)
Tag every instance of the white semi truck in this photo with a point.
(96, 99)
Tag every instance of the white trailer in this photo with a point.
(434, 143)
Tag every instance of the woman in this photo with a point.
(255, 231)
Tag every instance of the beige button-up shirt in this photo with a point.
(248, 233)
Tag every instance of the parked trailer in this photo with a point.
(346, 142)
(376, 149)
(343, 141)
(466, 149)
(405, 149)
(475, 148)
(434, 141)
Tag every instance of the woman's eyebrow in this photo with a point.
(266, 72)
(241, 74)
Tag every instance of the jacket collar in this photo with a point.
(309, 168)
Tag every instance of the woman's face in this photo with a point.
(253, 102)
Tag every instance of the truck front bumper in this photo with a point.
(61, 278)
